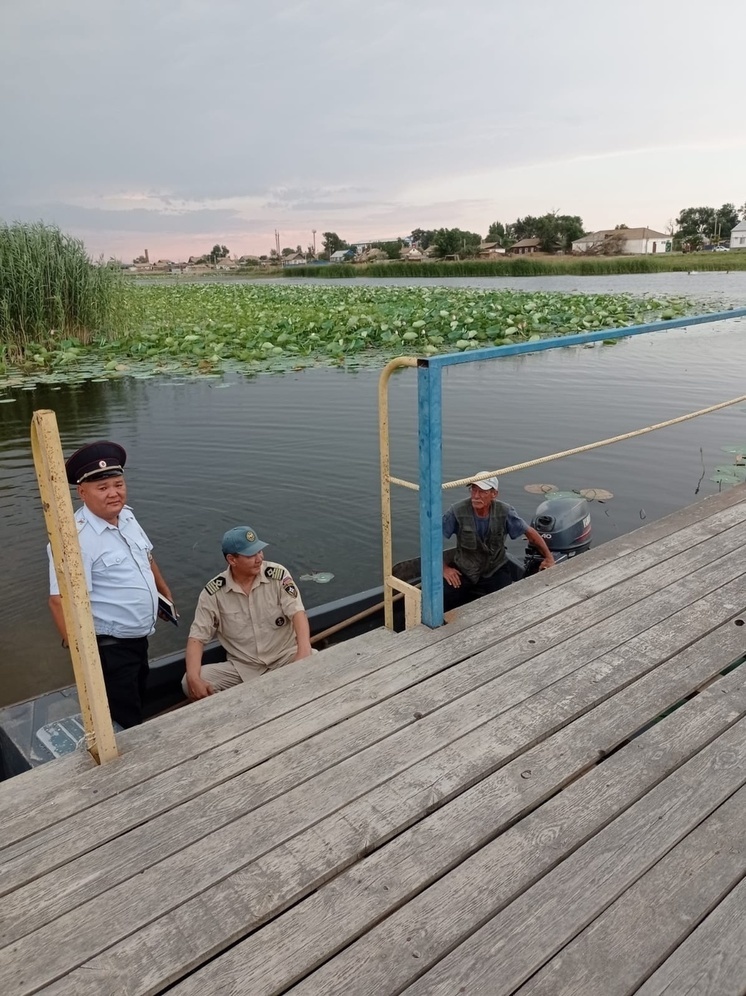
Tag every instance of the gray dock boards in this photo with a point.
(474, 809)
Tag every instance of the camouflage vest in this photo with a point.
(476, 558)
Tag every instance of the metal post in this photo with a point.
(385, 456)
(429, 406)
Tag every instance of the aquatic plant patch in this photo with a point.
(203, 329)
(529, 266)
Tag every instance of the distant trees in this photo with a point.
(332, 243)
(454, 241)
(217, 252)
(423, 237)
(697, 224)
(556, 232)
(499, 233)
(392, 249)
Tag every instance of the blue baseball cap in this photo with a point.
(242, 541)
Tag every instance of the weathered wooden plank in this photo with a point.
(511, 946)
(31, 857)
(712, 962)
(302, 863)
(293, 945)
(655, 915)
(173, 739)
(54, 894)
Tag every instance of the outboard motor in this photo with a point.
(565, 524)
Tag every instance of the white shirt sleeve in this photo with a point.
(54, 587)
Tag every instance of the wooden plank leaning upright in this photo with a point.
(76, 604)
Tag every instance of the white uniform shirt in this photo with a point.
(124, 598)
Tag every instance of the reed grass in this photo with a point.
(526, 266)
(50, 289)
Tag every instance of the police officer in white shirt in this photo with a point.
(123, 579)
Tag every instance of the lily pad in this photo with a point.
(596, 494)
(724, 478)
(320, 577)
(736, 470)
(539, 489)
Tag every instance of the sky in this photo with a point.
(175, 125)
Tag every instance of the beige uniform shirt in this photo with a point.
(255, 629)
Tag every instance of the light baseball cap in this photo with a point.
(489, 483)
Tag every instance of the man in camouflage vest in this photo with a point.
(480, 524)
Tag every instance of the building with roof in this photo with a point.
(342, 256)
(524, 246)
(738, 236)
(627, 241)
(491, 249)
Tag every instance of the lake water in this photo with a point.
(296, 456)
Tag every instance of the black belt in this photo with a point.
(108, 641)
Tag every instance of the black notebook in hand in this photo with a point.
(167, 610)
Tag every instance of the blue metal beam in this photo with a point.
(496, 352)
(430, 435)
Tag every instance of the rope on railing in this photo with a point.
(578, 449)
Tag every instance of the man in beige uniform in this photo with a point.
(255, 610)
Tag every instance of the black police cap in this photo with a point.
(94, 461)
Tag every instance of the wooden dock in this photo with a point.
(488, 808)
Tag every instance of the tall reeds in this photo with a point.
(50, 289)
(529, 266)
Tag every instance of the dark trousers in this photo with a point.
(125, 667)
(471, 590)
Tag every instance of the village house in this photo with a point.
(632, 241)
(411, 254)
(738, 236)
(294, 259)
(226, 263)
(524, 246)
(490, 249)
(342, 256)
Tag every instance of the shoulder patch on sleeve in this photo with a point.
(274, 573)
(289, 585)
(215, 584)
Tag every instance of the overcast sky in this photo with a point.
(174, 125)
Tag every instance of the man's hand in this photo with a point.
(197, 688)
(452, 577)
(537, 540)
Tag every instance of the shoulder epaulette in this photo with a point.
(274, 573)
(215, 584)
